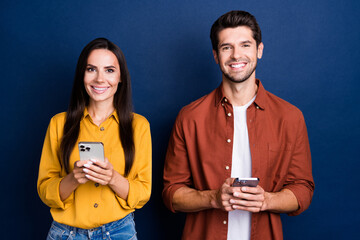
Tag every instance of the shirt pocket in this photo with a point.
(279, 158)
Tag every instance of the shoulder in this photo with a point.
(56, 125)
(140, 121)
(282, 108)
(198, 108)
(58, 119)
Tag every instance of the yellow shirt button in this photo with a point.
(96, 205)
(102, 129)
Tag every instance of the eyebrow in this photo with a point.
(242, 42)
(90, 65)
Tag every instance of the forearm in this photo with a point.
(119, 185)
(67, 185)
(187, 199)
(280, 202)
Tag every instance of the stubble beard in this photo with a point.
(243, 79)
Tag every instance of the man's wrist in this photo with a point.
(213, 198)
(267, 201)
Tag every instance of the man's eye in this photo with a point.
(225, 48)
(246, 45)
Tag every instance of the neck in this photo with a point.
(240, 94)
(100, 111)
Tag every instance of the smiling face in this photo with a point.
(237, 54)
(102, 76)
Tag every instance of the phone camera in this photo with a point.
(243, 182)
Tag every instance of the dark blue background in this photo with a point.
(310, 59)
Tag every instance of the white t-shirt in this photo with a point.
(239, 222)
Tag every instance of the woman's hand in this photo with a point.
(71, 181)
(78, 173)
(102, 172)
(99, 171)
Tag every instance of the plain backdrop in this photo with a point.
(310, 59)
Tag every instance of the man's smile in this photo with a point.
(237, 65)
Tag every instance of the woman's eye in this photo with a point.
(110, 70)
(90, 69)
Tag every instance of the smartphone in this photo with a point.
(245, 182)
(91, 150)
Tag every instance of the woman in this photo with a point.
(91, 198)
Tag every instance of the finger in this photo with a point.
(102, 164)
(253, 190)
(246, 203)
(101, 175)
(97, 180)
(226, 206)
(94, 168)
(228, 209)
(248, 196)
(80, 163)
(249, 209)
(229, 181)
(80, 178)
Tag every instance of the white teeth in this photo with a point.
(237, 65)
(100, 89)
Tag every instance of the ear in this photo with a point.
(216, 57)
(260, 50)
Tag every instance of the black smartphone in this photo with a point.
(245, 182)
(91, 150)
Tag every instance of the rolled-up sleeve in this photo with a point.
(140, 175)
(299, 179)
(49, 177)
(177, 172)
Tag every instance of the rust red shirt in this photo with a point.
(199, 156)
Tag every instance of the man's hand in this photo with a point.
(223, 196)
(250, 199)
(227, 198)
(255, 199)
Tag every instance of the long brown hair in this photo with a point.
(80, 99)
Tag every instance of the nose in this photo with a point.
(100, 77)
(236, 53)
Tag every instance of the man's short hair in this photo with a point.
(234, 19)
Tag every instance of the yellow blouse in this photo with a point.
(92, 205)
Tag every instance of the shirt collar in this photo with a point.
(114, 115)
(260, 99)
(219, 96)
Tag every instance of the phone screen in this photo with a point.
(245, 182)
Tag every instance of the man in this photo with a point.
(238, 130)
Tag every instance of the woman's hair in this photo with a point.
(80, 99)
